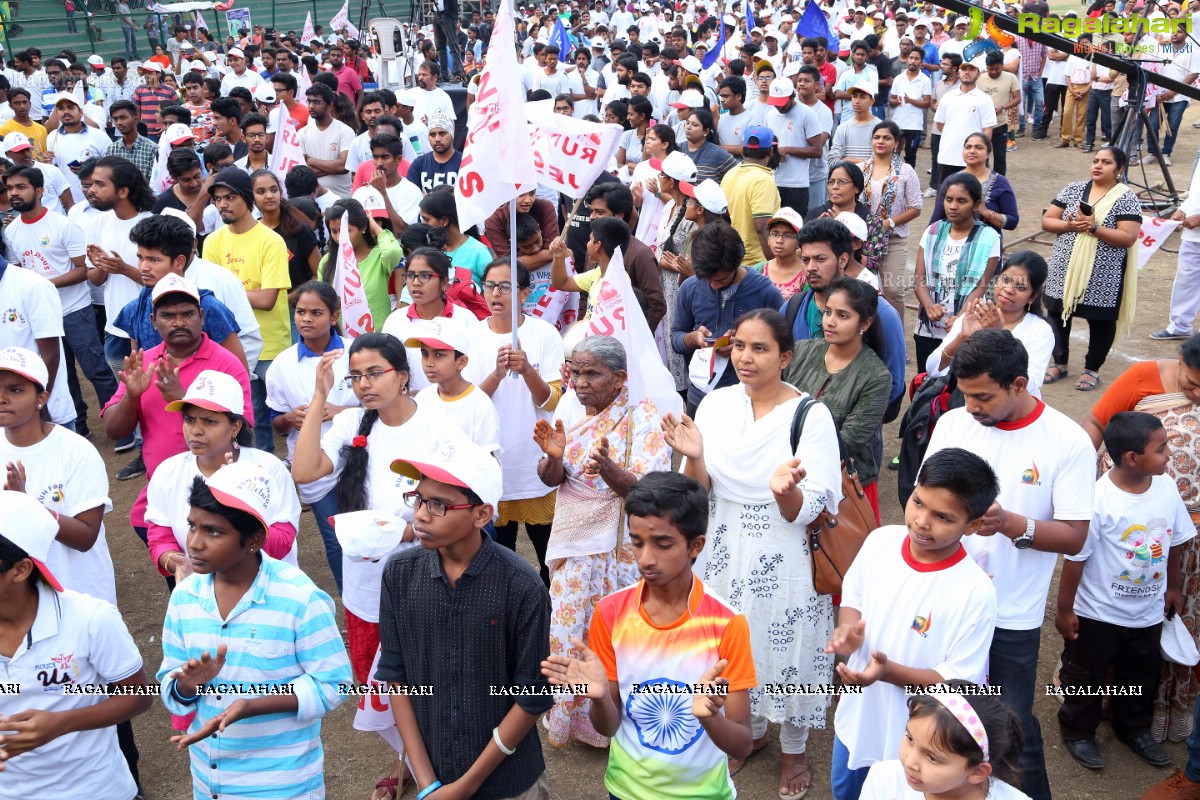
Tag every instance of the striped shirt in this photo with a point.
(149, 101)
(283, 633)
(1032, 55)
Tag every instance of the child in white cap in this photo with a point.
(51, 641)
(242, 621)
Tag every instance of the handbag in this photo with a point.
(835, 539)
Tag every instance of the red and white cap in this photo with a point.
(855, 223)
(30, 526)
(676, 165)
(214, 391)
(788, 216)
(458, 461)
(26, 363)
(265, 93)
(780, 91)
(244, 486)
(371, 200)
(96, 61)
(174, 284)
(152, 66)
(236, 52)
(177, 133)
(689, 98)
(709, 194)
(439, 334)
(16, 141)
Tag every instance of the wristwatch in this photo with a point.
(1025, 541)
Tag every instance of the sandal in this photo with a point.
(1088, 381)
(394, 786)
(802, 772)
(1055, 373)
(735, 765)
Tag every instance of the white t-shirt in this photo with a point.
(30, 310)
(1055, 72)
(226, 287)
(925, 616)
(406, 199)
(167, 494)
(886, 781)
(792, 129)
(431, 102)
(962, 114)
(730, 127)
(519, 454)
(555, 84)
(472, 411)
(907, 116)
(55, 184)
(952, 45)
(946, 292)
(361, 579)
(247, 80)
(291, 382)
(1180, 63)
(71, 147)
(1046, 465)
(328, 144)
(818, 168)
(65, 473)
(360, 151)
(416, 139)
(1125, 557)
(1032, 331)
(46, 247)
(111, 234)
(76, 641)
(399, 325)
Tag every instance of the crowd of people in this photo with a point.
(799, 274)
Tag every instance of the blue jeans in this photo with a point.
(845, 783)
(880, 110)
(1031, 91)
(79, 333)
(264, 435)
(1099, 105)
(130, 42)
(116, 348)
(1174, 118)
(1013, 666)
(322, 510)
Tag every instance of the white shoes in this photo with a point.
(929, 193)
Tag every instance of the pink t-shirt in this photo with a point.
(348, 83)
(366, 171)
(162, 430)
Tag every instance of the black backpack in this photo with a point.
(931, 397)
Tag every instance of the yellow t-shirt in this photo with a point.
(752, 194)
(36, 132)
(589, 282)
(260, 260)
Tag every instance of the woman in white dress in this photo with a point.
(757, 557)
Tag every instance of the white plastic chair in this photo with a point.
(383, 33)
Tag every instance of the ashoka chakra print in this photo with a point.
(662, 713)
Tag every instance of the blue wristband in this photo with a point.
(428, 790)
(187, 701)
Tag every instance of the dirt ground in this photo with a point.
(355, 760)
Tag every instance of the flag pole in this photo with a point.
(515, 294)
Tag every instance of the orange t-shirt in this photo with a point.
(1136, 383)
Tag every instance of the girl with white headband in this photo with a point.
(959, 743)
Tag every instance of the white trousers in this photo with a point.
(1185, 294)
(793, 739)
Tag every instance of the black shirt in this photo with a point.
(883, 65)
(579, 227)
(299, 246)
(492, 629)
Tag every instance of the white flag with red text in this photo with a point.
(569, 154)
(288, 154)
(347, 282)
(341, 21)
(309, 33)
(496, 157)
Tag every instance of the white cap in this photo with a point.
(408, 97)
(151, 66)
(67, 97)
(265, 92)
(235, 52)
(788, 216)
(178, 214)
(214, 391)
(792, 68)
(186, 45)
(676, 165)
(177, 133)
(198, 66)
(171, 284)
(692, 65)
(858, 228)
(30, 526)
(709, 194)
(691, 98)
(869, 86)
(458, 461)
(16, 141)
(780, 90)
(96, 61)
(771, 33)
(371, 200)
(25, 363)
(245, 486)
(440, 120)
(367, 535)
(921, 23)
(439, 334)
(978, 62)
(961, 21)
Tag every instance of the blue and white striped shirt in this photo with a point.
(282, 632)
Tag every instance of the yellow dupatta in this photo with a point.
(1083, 260)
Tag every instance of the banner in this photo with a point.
(341, 21)
(496, 157)
(569, 154)
(1154, 232)
(347, 282)
(288, 154)
(238, 18)
(160, 179)
(649, 218)
(616, 313)
(555, 306)
(309, 33)
(201, 23)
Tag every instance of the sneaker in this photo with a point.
(1011, 146)
(1196, 124)
(1166, 159)
(1176, 787)
(929, 193)
(1166, 335)
(133, 469)
(1087, 148)
(124, 445)
(1133, 162)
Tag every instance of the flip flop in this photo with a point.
(1055, 373)
(1088, 381)
(395, 786)
(803, 793)
(758, 746)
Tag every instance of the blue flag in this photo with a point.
(714, 55)
(813, 23)
(560, 37)
(749, 16)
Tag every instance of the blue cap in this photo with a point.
(758, 136)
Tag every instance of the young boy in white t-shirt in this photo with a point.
(443, 359)
(916, 610)
(1112, 596)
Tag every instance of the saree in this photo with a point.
(589, 555)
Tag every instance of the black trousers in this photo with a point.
(935, 140)
(129, 748)
(793, 198)
(1054, 96)
(1101, 335)
(1132, 655)
(924, 346)
(1000, 147)
(912, 141)
(539, 535)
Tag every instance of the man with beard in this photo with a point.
(349, 84)
(73, 142)
(326, 142)
(429, 98)
(57, 195)
(44, 242)
(360, 151)
(185, 195)
(258, 256)
(440, 166)
(624, 68)
(132, 145)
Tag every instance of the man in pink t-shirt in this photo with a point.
(349, 83)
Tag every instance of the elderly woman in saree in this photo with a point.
(764, 493)
(1168, 388)
(595, 452)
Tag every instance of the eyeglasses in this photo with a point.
(252, 136)
(1008, 280)
(419, 278)
(436, 508)
(357, 377)
(839, 181)
(490, 286)
(785, 235)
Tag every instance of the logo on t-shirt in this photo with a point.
(14, 317)
(661, 711)
(51, 494)
(61, 670)
(1032, 476)
(922, 624)
(1143, 546)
